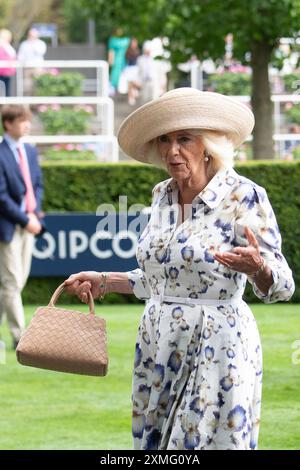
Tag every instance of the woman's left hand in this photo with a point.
(246, 260)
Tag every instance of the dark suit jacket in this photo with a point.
(13, 189)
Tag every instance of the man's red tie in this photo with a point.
(30, 200)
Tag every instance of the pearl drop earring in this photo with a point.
(206, 158)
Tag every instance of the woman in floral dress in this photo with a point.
(198, 364)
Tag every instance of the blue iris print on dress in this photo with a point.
(199, 406)
(152, 314)
(181, 350)
(177, 313)
(272, 239)
(208, 256)
(146, 337)
(226, 383)
(209, 195)
(221, 400)
(205, 282)
(138, 425)
(250, 199)
(171, 217)
(158, 375)
(162, 255)
(209, 353)
(173, 273)
(149, 363)
(217, 416)
(223, 294)
(192, 292)
(138, 355)
(187, 253)
(191, 438)
(230, 320)
(183, 325)
(153, 439)
(253, 443)
(207, 332)
(236, 418)
(234, 441)
(225, 226)
(226, 275)
(229, 313)
(230, 353)
(164, 398)
(143, 394)
(175, 361)
(182, 236)
(230, 180)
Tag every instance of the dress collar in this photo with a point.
(215, 191)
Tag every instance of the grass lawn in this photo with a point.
(47, 410)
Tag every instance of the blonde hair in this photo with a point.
(218, 147)
(5, 35)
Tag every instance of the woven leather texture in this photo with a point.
(65, 341)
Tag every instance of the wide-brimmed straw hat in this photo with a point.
(184, 108)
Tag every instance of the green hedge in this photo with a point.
(83, 186)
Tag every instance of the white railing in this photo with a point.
(106, 133)
(101, 67)
(278, 137)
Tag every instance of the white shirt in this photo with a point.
(32, 50)
(13, 145)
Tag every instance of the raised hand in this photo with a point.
(246, 260)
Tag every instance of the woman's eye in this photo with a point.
(163, 138)
(184, 138)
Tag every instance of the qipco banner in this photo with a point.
(77, 242)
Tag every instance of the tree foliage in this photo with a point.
(17, 15)
(200, 26)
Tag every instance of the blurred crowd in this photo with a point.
(143, 71)
(32, 49)
(138, 72)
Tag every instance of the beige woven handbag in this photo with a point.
(65, 340)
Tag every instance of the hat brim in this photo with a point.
(184, 108)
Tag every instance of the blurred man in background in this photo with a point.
(21, 191)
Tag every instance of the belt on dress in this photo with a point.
(193, 302)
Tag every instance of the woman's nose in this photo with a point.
(174, 148)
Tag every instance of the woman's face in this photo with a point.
(182, 152)
(134, 43)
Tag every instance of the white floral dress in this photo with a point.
(198, 363)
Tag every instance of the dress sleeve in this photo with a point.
(139, 284)
(137, 277)
(256, 212)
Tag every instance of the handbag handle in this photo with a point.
(59, 291)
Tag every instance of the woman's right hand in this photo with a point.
(79, 284)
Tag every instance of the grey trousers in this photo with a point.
(15, 263)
